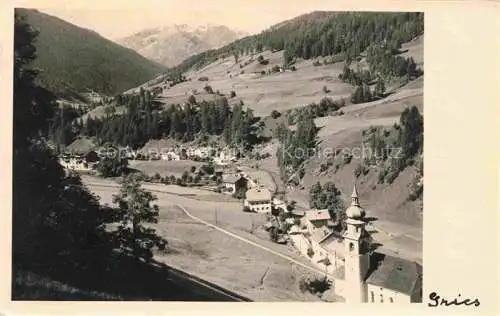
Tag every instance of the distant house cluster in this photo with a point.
(221, 157)
(79, 161)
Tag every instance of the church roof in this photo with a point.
(394, 273)
(319, 234)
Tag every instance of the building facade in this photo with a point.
(258, 200)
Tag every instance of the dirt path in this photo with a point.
(249, 241)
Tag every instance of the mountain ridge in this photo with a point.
(72, 59)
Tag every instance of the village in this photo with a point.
(344, 253)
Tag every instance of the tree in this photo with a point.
(112, 166)
(133, 236)
(287, 58)
(275, 114)
(185, 176)
(411, 132)
(52, 214)
(380, 87)
(191, 99)
(327, 196)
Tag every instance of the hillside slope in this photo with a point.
(73, 59)
(170, 45)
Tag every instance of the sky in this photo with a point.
(119, 18)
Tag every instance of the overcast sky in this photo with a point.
(118, 18)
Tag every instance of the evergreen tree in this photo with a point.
(136, 207)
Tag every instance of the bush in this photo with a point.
(208, 89)
(358, 171)
(264, 62)
(391, 176)
(323, 167)
(204, 78)
(260, 58)
(192, 99)
(233, 94)
(347, 159)
(337, 168)
(310, 252)
(262, 72)
(315, 286)
(275, 114)
(293, 68)
(325, 89)
(381, 176)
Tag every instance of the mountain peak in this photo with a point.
(171, 44)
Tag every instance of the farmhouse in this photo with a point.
(233, 183)
(258, 200)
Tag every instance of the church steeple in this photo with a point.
(354, 196)
(355, 210)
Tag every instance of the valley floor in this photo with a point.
(250, 264)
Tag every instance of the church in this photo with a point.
(365, 275)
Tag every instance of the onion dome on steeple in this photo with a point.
(355, 211)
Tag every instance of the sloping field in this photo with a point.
(263, 93)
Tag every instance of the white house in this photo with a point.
(201, 152)
(258, 200)
(170, 156)
(233, 182)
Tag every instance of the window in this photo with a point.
(372, 296)
(391, 300)
(381, 298)
(351, 246)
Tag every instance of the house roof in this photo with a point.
(394, 273)
(319, 234)
(230, 178)
(317, 215)
(332, 235)
(258, 194)
(81, 145)
(297, 213)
